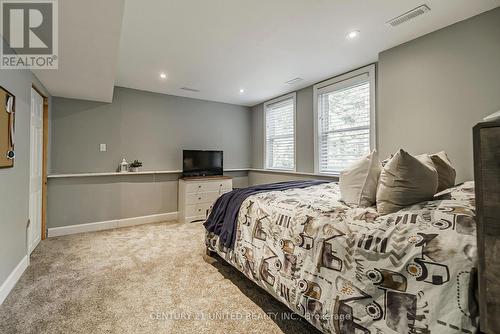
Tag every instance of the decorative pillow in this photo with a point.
(386, 160)
(358, 183)
(406, 180)
(445, 170)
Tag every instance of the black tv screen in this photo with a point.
(202, 163)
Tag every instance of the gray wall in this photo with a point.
(431, 92)
(82, 200)
(14, 191)
(151, 127)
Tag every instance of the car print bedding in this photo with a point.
(222, 218)
(349, 270)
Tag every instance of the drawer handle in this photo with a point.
(199, 186)
(199, 210)
(199, 197)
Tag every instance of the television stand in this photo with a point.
(198, 193)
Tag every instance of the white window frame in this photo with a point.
(293, 96)
(328, 85)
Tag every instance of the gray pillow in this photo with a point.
(445, 170)
(404, 181)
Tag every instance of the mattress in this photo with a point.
(349, 270)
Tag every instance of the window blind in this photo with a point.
(343, 124)
(280, 134)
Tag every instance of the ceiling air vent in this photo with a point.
(190, 89)
(408, 16)
(294, 81)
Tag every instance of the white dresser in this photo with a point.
(197, 194)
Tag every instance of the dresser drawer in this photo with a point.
(197, 209)
(202, 197)
(196, 196)
(219, 185)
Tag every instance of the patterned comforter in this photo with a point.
(348, 270)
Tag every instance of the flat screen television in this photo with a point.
(202, 163)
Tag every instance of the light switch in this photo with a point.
(102, 147)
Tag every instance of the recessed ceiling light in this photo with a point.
(163, 76)
(353, 34)
(242, 90)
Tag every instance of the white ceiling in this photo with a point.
(89, 37)
(221, 46)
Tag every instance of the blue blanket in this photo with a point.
(222, 221)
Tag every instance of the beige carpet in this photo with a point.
(145, 279)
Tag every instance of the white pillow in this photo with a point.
(358, 183)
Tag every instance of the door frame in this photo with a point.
(45, 131)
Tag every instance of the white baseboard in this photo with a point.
(11, 281)
(111, 224)
(33, 246)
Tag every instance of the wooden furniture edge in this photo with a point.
(211, 177)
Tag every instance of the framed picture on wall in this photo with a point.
(7, 128)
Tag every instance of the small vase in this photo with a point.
(135, 169)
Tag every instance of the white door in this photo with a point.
(36, 161)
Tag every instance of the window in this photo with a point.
(279, 136)
(344, 110)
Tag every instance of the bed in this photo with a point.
(349, 270)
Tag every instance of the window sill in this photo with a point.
(329, 174)
(276, 171)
